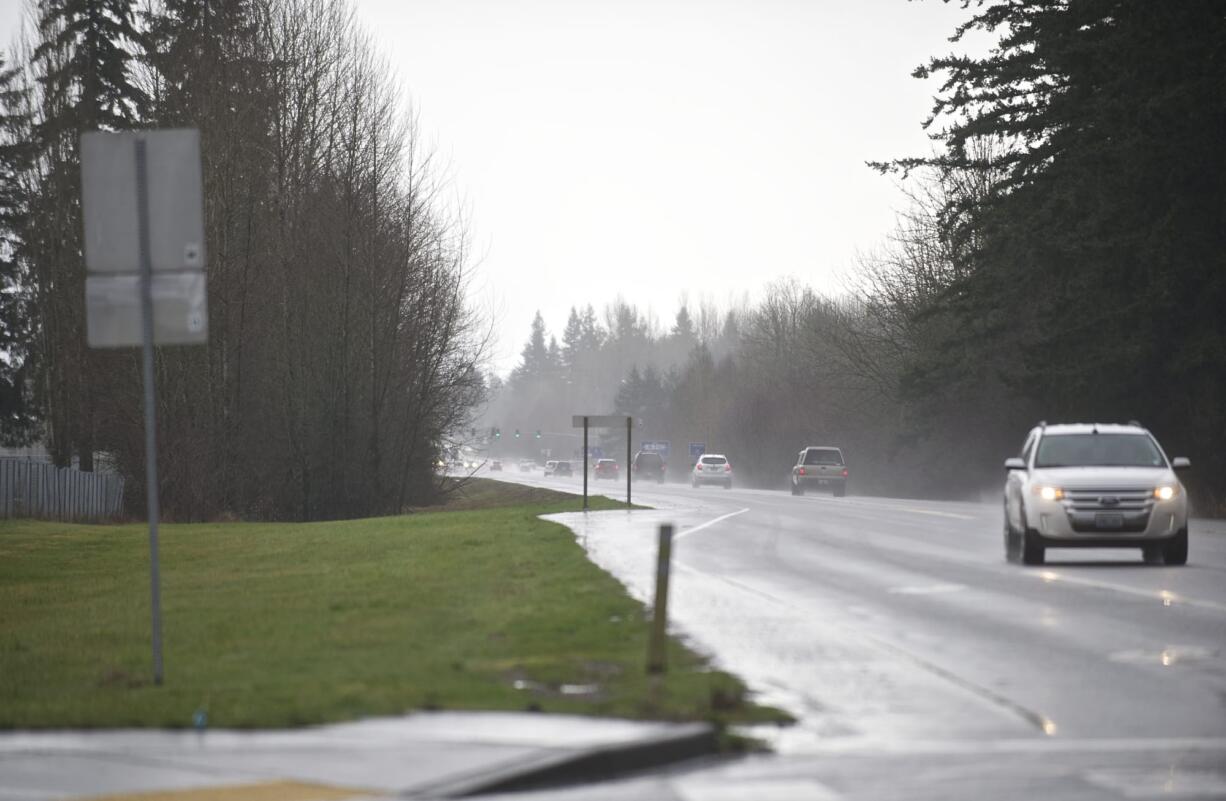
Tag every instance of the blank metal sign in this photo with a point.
(113, 319)
(176, 205)
(599, 420)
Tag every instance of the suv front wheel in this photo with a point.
(1033, 552)
(1175, 552)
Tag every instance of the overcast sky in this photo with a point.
(660, 148)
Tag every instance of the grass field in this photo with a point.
(278, 624)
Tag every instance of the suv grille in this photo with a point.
(1108, 509)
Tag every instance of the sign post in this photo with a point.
(143, 209)
(151, 452)
(628, 458)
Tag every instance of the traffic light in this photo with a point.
(497, 433)
(517, 433)
(538, 433)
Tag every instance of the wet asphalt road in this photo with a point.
(919, 663)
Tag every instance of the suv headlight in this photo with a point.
(1166, 492)
(1049, 493)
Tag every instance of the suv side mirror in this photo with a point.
(1014, 463)
(1181, 463)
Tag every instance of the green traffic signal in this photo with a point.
(538, 433)
(517, 433)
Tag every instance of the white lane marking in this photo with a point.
(701, 526)
(930, 589)
(935, 513)
(1164, 597)
(880, 746)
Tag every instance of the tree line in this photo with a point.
(602, 356)
(1062, 257)
(341, 349)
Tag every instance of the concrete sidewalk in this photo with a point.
(428, 755)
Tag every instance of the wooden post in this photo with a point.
(657, 648)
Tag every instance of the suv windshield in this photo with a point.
(823, 456)
(1098, 450)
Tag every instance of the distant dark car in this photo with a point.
(563, 469)
(648, 465)
(606, 468)
(496, 465)
(820, 467)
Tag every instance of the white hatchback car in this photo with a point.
(712, 468)
(1095, 486)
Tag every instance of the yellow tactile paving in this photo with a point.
(263, 791)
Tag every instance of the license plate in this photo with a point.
(1109, 520)
(821, 481)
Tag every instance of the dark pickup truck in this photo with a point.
(820, 467)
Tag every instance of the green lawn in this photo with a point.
(485, 607)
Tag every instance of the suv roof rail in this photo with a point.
(1042, 424)
(1136, 423)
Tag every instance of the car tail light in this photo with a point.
(727, 468)
(801, 471)
(844, 472)
(698, 468)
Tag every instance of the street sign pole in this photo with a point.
(629, 423)
(142, 207)
(151, 456)
(602, 421)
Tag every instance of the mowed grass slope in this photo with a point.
(281, 624)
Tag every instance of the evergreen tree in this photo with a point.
(18, 413)
(572, 339)
(88, 45)
(83, 64)
(683, 326)
(534, 358)
(1087, 229)
(593, 336)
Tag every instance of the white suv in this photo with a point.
(712, 468)
(1095, 486)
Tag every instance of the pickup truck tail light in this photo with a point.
(801, 471)
(844, 472)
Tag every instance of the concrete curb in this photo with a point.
(686, 741)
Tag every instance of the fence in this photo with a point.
(38, 489)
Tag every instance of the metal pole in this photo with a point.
(151, 456)
(629, 420)
(657, 649)
(585, 462)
